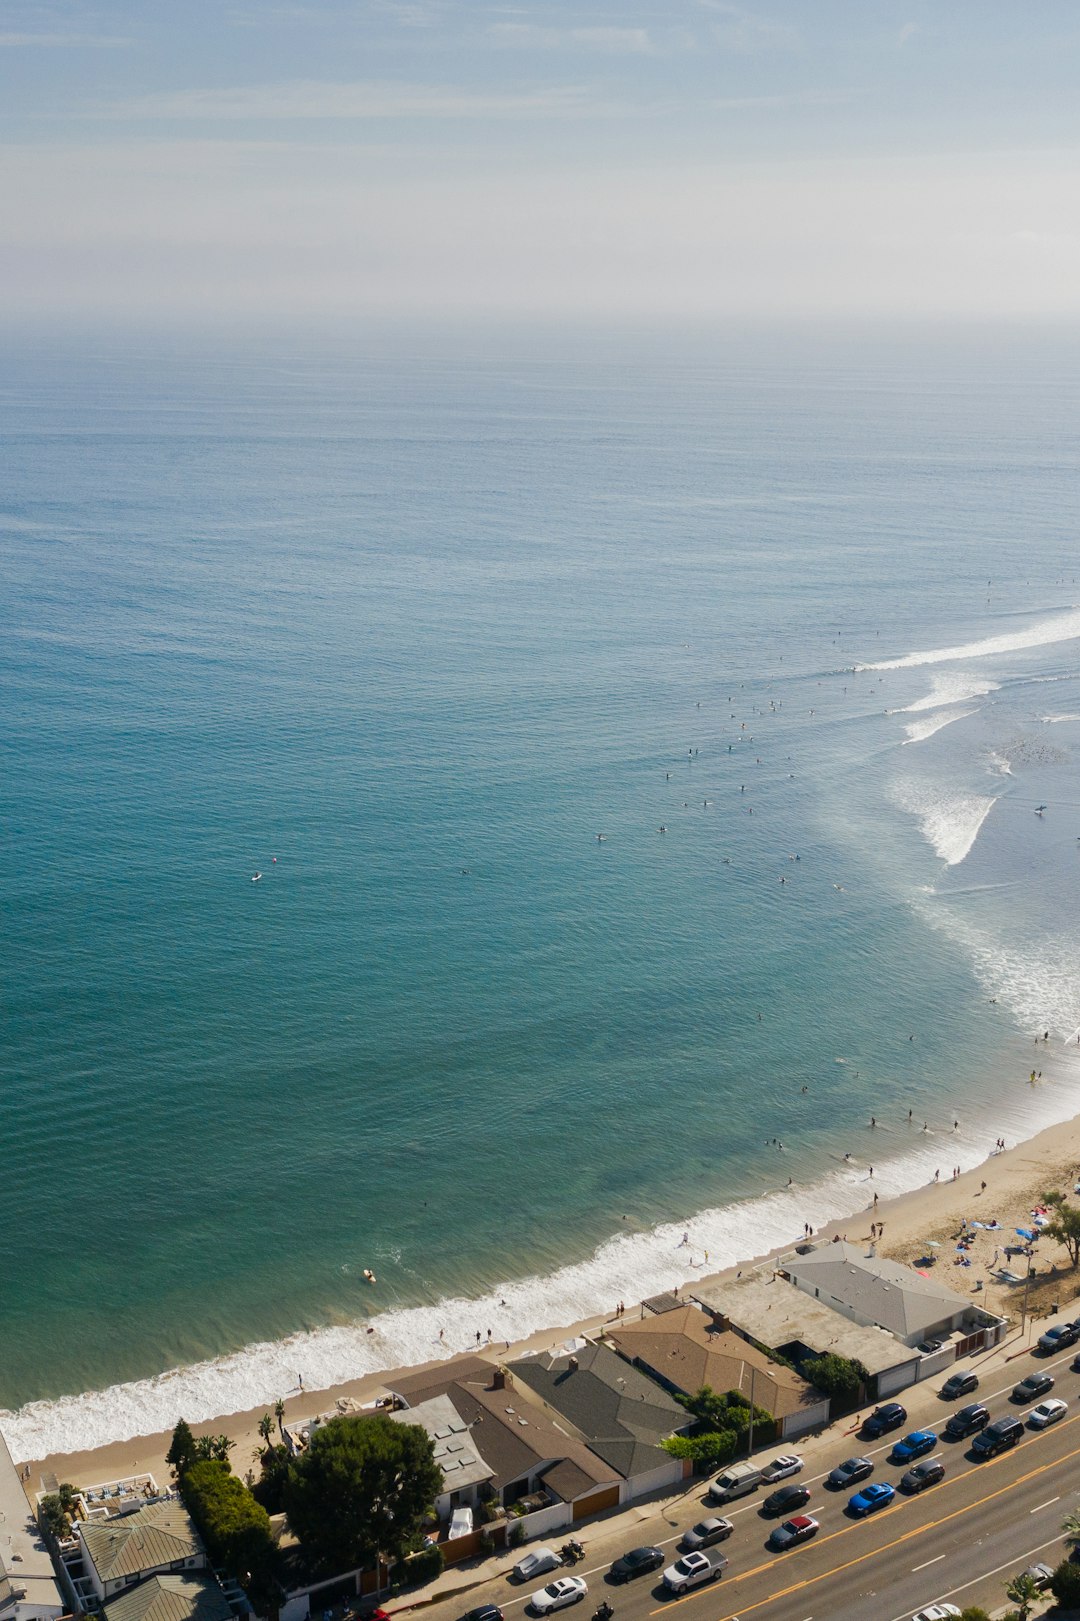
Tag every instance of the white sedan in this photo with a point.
(1047, 1413)
(558, 1594)
(936, 1612)
(783, 1467)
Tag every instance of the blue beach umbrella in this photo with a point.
(1026, 1232)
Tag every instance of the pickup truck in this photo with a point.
(695, 1569)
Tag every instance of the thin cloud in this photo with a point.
(906, 32)
(624, 41)
(793, 98)
(65, 41)
(314, 99)
(746, 32)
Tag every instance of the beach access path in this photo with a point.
(1014, 1179)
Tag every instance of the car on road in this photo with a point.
(785, 1501)
(1042, 1575)
(1031, 1388)
(884, 1419)
(536, 1563)
(914, 1446)
(924, 1474)
(706, 1533)
(794, 1531)
(1047, 1413)
(1058, 1338)
(484, 1612)
(694, 1570)
(558, 1594)
(997, 1437)
(782, 1468)
(959, 1384)
(848, 1473)
(936, 1612)
(879, 1494)
(638, 1562)
(967, 1421)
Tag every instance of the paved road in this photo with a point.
(962, 1539)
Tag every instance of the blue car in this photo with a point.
(914, 1445)
(879, 1494)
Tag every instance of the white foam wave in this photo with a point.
(1052, 720)
(949, 821)
(1059, 628)
(951, 687)
(918, 730)
(1001, 764)
(628, 1266)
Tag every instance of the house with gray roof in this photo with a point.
(186, 1596)
(620, 1413)
(456, 1452)
(121, 1551)
(29, 1590)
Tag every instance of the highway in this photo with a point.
(961, 1540)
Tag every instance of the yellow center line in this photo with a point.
(872, 1553)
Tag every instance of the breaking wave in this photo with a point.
(951, 687)
(949, 821)
(918, 730)
(1060, 628)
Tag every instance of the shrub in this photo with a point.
(708, 1451)
(840, 1377)
(419, 1567)
(1065, 1585)
(235, 1528)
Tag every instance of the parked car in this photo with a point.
(1031, 1388)
(884, 1419)
(484, 1612)
(924, 1474)
(800, 1529)
(782, 1468)
(534, 1564)
(786, 1499)
(914, 1446)
(1041, 1575)
(960, 1384)
(967, 1421)
(638, 1562)
(847, 1473)
(707, 1532)
(928, 1347)
(879, 1494)
(936, 1612)
(694, 1570)
(1047, 1413)
(558, 1594)
(1058, 1338)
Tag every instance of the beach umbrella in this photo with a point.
(933, 1244)
(1025, 1232)
(979, 1224)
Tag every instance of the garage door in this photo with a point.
(596, 1502)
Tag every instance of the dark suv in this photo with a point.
(967, 1421)
(960, 1384)
(997, 1437)
(884, 1419)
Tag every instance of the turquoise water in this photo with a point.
(404, 635)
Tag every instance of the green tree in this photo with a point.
(266, 1429)
(279, 1414)
(841, 1377)
(269, 1489)
(55, 1511)
(708, 1451)
(1064, 1225)
(1065, 1583)
(1023, 1591)
(973, 1613)
(360, 1491)
(213, 1446)
(235, 1528)
(182, 1453)
(1071, 1527)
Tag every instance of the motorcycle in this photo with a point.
(571, 1552)
(603, 1612)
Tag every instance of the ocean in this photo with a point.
(638, 747)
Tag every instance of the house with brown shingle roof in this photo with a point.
(686, 1348)
(119, 1552)
(181, 1597)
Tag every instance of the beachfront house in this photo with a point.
(684, 1348)
(123, 1550)
(466, 1475)
(620, 1413)
(912, 1306)
(186, 1596)
(29, 1590)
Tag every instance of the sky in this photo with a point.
(699, 159)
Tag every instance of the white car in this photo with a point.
(936, 1612)
(1047, 1413)
(558, 1594)
(692, 1570)
(535, 1564)
(783, 1467)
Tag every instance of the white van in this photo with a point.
(736, 1480)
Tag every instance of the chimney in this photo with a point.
(573, 1364)
(501, 1380)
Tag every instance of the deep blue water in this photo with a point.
(404, 635)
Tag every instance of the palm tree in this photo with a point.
(266, 1429)
(279, 1414)
(1022, 1591)
(1071, 1527)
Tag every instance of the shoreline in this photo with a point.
(1013, 1179)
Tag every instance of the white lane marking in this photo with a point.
(927, 1565)
(1049, 1502)
(1015, 1560)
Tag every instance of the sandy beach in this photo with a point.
(1005, 1187)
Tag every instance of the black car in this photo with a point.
(786, 1500)
(638, 1562)
(997, 1437)
(926, 1473)
(960, 1384)
(884, 1419)
(486, 1612)
(1058, 1338)
(847, 1473)
(1031, 1388)
(968, 1421)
